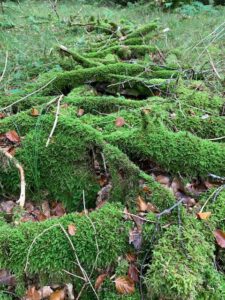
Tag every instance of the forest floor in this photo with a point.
(112, 129)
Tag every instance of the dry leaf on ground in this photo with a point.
(119, 122)
(80, 112)
(99, 281)
(124, 285)
(6, 278)
(45, 292)
(133, 272)
(204, 215)
(220, 237)
(58, 295)
(141, 204)
(32, 294)
(12, 136)
(135, 238)
(72, 229)
(34, 112)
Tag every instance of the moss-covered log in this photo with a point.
(169, 149)
(44, 248)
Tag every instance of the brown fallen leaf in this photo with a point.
(58, 295)
(204, 215)
(2, 115)
(58, 210)
(177, 185)
(162, 179)
(12, 151)
(72, 229)
(7, 206)
(127, 215)
(46, 209)
(80, 112)
(119, 122)
(32, 294)
(141, 204)
(124, 285)
(99, 281)
(29, 207)
(34, 112)
(146, 189)
(139, 221)
(152, 208)
(133, 272)
(131, 257)
(6, 278)
(135, 238)
(220, 237)
(45, 291)
(38, 214)
(12, 136)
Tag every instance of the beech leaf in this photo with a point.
(120, 121)
(141, 204)
(204, 215)
(80, 112)
(99, 281)
(12, 136)
(131, 257)
(45, 291)
(162, 179)
(58, 295)
(125, 285)
(2, 115)
(6, 278)
(34, 112)
(135, 238)
(220, 237)
(133, 272)
(72, 229)
(32, 294)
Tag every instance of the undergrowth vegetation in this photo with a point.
(116, 116)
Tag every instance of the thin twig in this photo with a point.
(136, 216)
(34, 241)
(217, 139)
(168, 210)
(214, 195)
(74, 275)
(6, 62)
(97, 247)
(78, 262)
(104, 162)
(216, 177)
(56, 120)
(22, 198)
(212, 64)
(23, 98)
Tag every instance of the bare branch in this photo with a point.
(22, 198)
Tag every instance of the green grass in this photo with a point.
(30, 43)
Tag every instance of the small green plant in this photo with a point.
(195, 8)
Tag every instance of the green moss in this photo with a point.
(48, 251)
(182, 265)
(145, 29)
(124, 52)
(169, 150)
(192, 97)
(5, 296)
(68, 80)
(80, 59)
